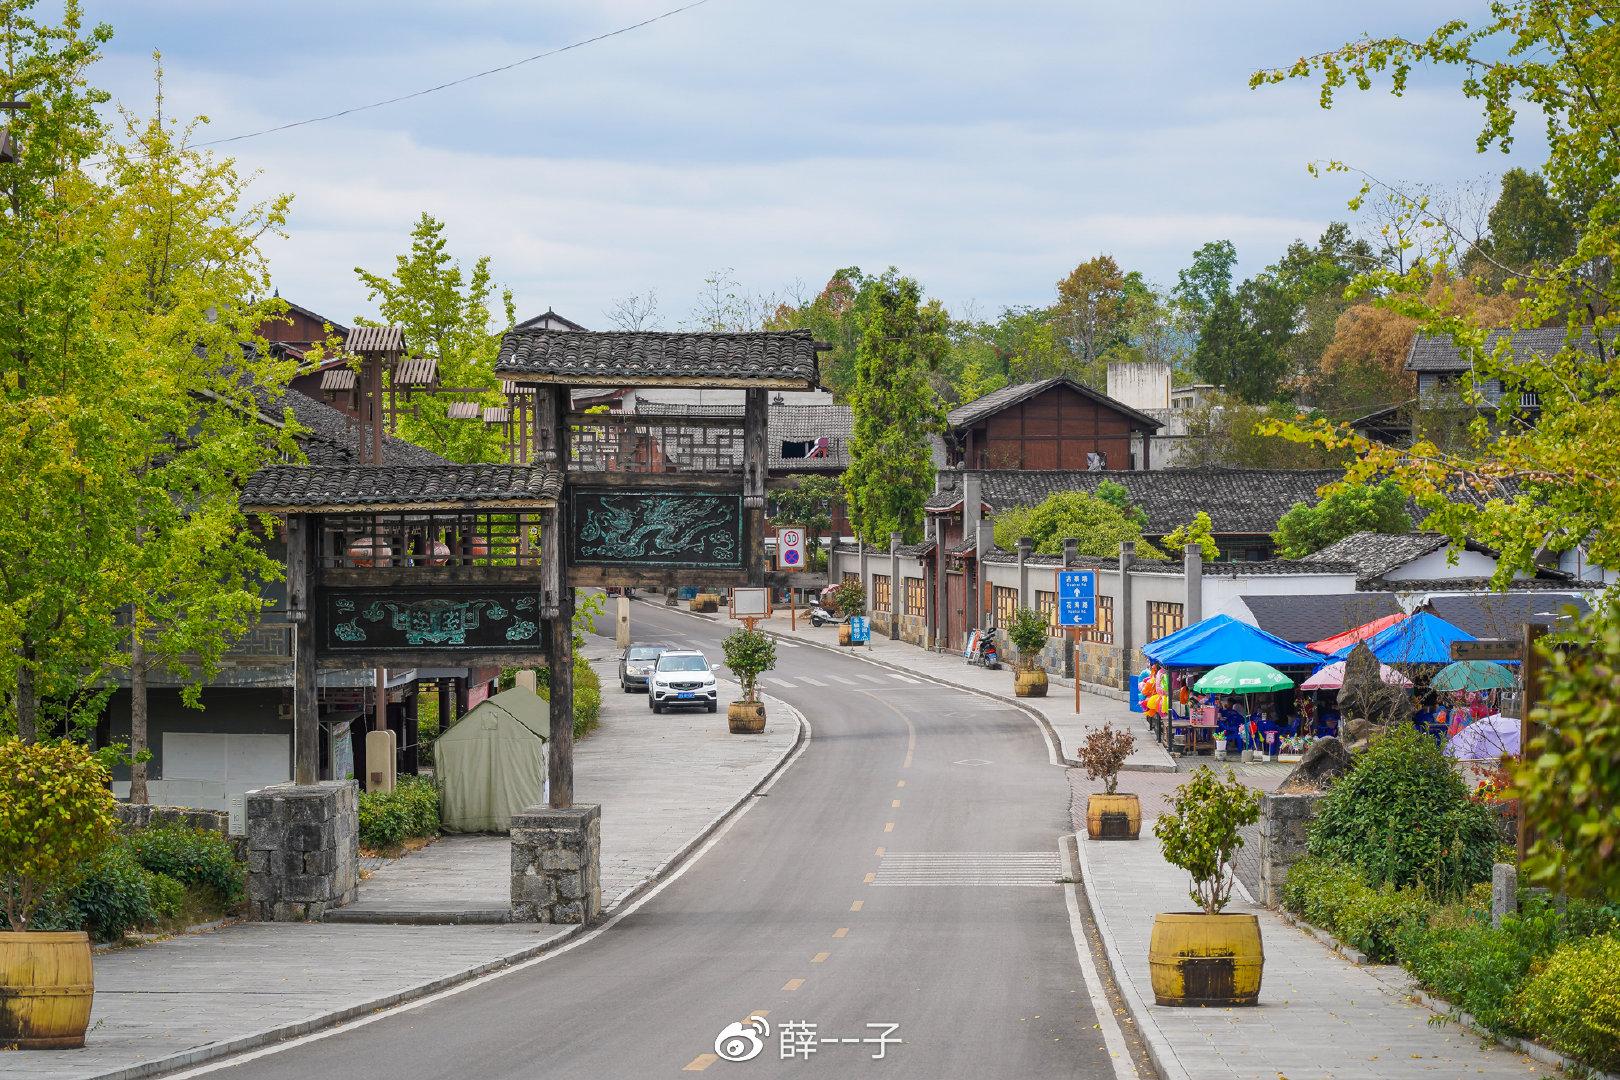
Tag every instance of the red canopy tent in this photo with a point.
(1360, 633)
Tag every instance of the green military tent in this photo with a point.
(492, 763)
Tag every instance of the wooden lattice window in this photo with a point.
(1103, 632)
(429, 540)
(850, 578)
(1006, 605)
(1046, 604)
(1162, 618)
(882, 594)
(916, 597)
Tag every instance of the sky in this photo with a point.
(984, 148)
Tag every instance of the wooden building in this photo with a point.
(1052, 424)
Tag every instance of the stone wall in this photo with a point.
(1284, 823)
(303, 850)
(132, 817)
(1101, 664)
(557, 865)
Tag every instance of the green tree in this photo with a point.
(446, 314)
(809, 503)
(1094, 306)
(1528, 227)
(1227, 432)
(895, 410)
(1240, 345)
(1200, 530)
(1099, 526)
(831, 317)
(1347, 509)
(1206, 279)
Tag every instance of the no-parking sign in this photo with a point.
(790, 547)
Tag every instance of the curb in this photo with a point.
(1512, 1042)
(1159, 1049)
(260, 1039)
(1333, 944)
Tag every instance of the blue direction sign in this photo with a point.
(1077, 598)
(860, 629)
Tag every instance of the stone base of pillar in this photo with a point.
(303, 846)
(1285, 821)
(557, 865)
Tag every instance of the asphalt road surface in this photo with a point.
(901, 872)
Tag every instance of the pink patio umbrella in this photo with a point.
(1332, 677)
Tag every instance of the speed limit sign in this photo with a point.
(790, 551)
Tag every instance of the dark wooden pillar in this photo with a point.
(756, 460)
(306, 698)
(445, 690)
(560, 753)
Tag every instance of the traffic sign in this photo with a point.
(860, 629)
(1077, 597)
(790, 547)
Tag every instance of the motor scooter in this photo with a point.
(820, 616)
(985, 654)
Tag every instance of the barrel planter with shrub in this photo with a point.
(56, 815)
(849, 600)
(1206, 957)
(749, 654)
(1028, 635)
(1110, 815)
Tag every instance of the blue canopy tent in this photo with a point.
(1221, 639)
(1421, 639)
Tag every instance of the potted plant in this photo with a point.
(707, 603)
(1292, 748)
(1206, 957)
(56, 814)
(1109, 815)
(749, 653)
(1028, 635)
(1220, 744)
(850, 600)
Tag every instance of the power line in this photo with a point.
(457, 82)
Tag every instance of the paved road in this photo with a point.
(863, 888)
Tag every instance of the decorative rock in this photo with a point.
(1323, 763)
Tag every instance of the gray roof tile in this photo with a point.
(785, 358)
(1503, 615)
(1376, 554)
(1304, 618)
(1438, 353)
(284, 488)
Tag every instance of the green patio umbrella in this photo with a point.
(1473, 675)
(1243, 677)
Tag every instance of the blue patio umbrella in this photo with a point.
(1421, 639)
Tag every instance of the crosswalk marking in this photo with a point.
(783, 684)
(812, 682)
(841, 679)
(903, 678)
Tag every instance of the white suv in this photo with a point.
(682, 679)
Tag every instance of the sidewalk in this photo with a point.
(1057, 709)
(1319, 1015)
(663, 782)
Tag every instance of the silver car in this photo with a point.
(637, 662)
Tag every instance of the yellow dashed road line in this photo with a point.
(820, 958)
(793, 984)
(701, 1062)
(857, 905)
(842, 931)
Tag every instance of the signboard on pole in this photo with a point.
(791, 551)
(1077, 597)
(750, 603)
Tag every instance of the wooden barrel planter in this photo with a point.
(1113, 817)
(705, 602)
(1030, 683)
(745, 717)
(844, 634)
(46, 988)
(1205, 960)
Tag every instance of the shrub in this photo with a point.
(748, 654)
(1028, 635)
(1103, 754)
(1572, 1002)
(1200, 833)
(1337, 898)
(389, 818)
(56, 815)
(849, 598)
(587, 695)
(111, 895)
(1403, 816)
(199, 858)
(168, 897)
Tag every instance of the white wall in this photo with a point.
(1436, 564)
(204, 768)
(1221, 592)
(1141, 385)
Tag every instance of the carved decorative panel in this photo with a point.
(454, 618)
(653, 529)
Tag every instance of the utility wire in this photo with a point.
(457, 82)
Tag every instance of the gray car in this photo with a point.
(637, 662)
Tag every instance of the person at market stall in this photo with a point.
(1233, 723)
(1327, 722)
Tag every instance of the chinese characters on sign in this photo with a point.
(798, 1040)
(1077, 597)
(860, 629)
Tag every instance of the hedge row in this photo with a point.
(389, 818)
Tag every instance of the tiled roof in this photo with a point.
(284, 488)
(1376, 554)
(1304, 618)
(329, 437)
(1556, 581)
(548, 316)
(993, 402)
(784, 424)
(1271, 567)
(1503, 615)
(785, 359)
(1438, 353)
(1238, 501)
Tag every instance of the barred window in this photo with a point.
(1006, 605)
(916, 601)
(1103, 632)
(851, 579)
(1162, 618)
(882, 597)
(1046, 604)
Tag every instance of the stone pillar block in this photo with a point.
(1504, 892)
(1285, 822)
(557, 865)
(303, 850)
